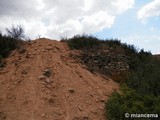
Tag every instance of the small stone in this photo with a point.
(57, 113)
(80, 108)
(102, 100)
(42, 77)
(48, 86)
(49, 48)
(101, 108)
(48, 81)
(43, 83)
(23, 75)
(43, 50)
(43, 115)
(17, 81)
(25, 71)
(51, 100)
(32, 56)
(71, 91)
(97, 100)
(91, 95)
(47, 72)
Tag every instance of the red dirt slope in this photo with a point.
(45, 84)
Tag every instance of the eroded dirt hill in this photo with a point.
(41, 82)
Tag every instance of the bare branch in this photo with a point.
(16, 31)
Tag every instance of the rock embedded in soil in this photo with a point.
(48, 80)
(49, 48)
(71, 91)
(42, 77)
(47, 72)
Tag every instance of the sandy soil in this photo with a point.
(44, 83)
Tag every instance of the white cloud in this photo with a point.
(56, 18)
(147, 42)
(149, 10)
(97, 22)
(123, 5)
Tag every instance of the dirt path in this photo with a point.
(44, 83)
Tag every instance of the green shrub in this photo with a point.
(1, 56)
(142, 94)
(88, 41)
(8, 44)
(128, 101)
(145, 78)
(82, 41)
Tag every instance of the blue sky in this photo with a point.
(131, 21)
(129, 29)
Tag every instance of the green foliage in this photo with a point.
(7, 44)
(141, 93)
(82, 41)
(1, 57)
(91, 42)
(146, 78)
(128, 101)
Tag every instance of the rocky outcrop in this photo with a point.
(103, 61)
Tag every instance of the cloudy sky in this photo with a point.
(133, 21)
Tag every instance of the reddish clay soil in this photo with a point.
(44, 83)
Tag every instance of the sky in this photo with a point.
(131, 21)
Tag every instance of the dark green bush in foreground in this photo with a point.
(129, 101)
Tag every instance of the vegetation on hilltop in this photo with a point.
(10, 41)
(140, 84)
(89, 42)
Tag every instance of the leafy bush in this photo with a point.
(82, 41)
(7, 44)
(91, 42)
(1, 57)
(145, 78)
(143, 88)
(128, 101)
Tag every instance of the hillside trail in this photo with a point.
(44, 83)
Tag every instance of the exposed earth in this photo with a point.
(41, 82)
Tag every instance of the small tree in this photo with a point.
(16, 32)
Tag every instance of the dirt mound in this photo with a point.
(41, 82)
